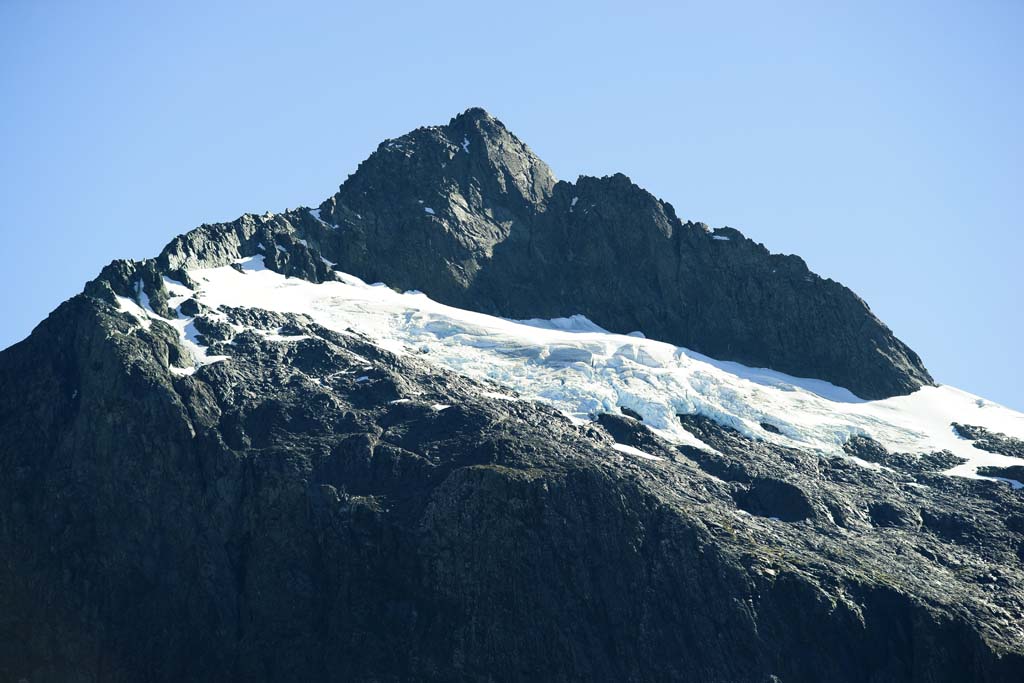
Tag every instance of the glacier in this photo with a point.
(582, 370)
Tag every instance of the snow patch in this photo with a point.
(315, 213)
(253, 263)
(128, 306)
(623, 448)
(187, 332)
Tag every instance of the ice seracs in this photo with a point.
(583, 370)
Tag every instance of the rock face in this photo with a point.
(469, 215)
(318, 508)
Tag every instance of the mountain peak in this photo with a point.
(468, 214)
(473, 162)
(474, 115)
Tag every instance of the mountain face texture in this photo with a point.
(503, 237)
(193, 491)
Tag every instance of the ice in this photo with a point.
(575, 323)
(143, 297)
(253, 263)
(623, 448)
(582, 370)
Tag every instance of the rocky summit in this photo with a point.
(464, 421)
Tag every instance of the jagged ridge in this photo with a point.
(469, 215)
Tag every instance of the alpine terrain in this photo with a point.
(464, 421)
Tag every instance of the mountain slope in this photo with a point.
(238, 461)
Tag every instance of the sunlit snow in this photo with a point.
(623, 448)
(582, 370)
(145, 315)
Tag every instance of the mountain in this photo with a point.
(469, 215)
(503, 237)
(463, 421)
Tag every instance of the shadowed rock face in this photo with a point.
(502, 237)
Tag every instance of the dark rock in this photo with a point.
(887, 514)
(777, 499)
(629, 412)
(1014, 472)
(994, 442)
(866, 448)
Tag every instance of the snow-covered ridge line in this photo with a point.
(583, 370)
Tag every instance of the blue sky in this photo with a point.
(882, 143)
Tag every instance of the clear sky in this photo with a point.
(881, 141)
